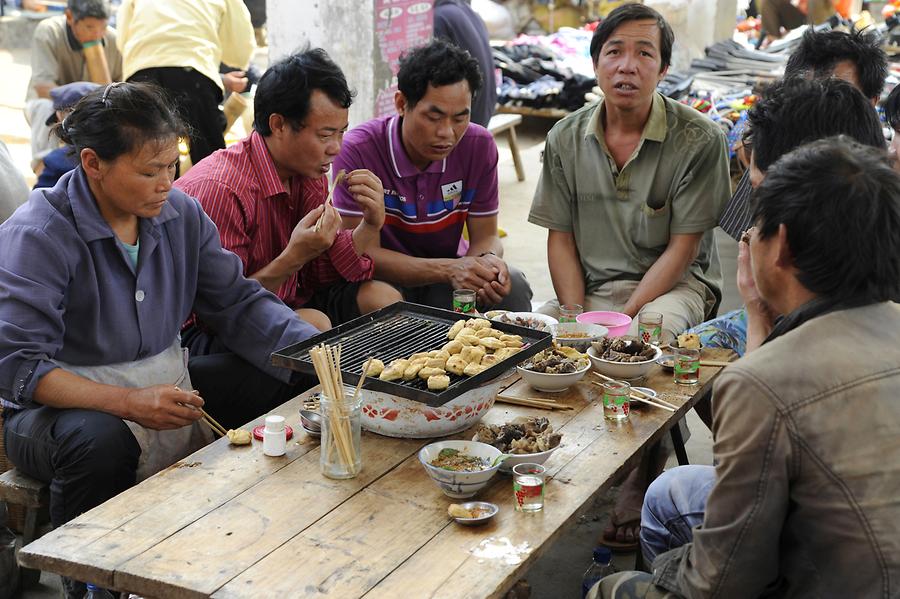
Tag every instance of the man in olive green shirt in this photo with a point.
(630, 191)
(632, 188)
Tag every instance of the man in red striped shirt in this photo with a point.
(267, 192)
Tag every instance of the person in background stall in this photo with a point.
(630, 191)
(13, 188)
(57, 58)
(439, 173)
(804, 499)
(179, 46)
(456, 22)
(98, 274)
(61, 160)
(854, 57)
(266, 195)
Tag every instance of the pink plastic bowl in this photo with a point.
(616, 322)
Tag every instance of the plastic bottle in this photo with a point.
(274, 436)
(600, 568)
(95, 592)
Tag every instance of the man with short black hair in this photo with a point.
(805, 500)
(630, 191)
(57, 59)
(439, 172)
(266, 195)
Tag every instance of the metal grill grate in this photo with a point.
(399, 331)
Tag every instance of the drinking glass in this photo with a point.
(616, 396)
(464, 301)
(570, 312)
(340, 455)
(687, 366)
(528, 487)
(650, 327)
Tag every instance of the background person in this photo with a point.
(57, 58)
(439, 172)
(179, 46)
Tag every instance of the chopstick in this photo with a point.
(534, 402)
(716, 363)
(362, 378)
(328, 200)
(636, 392)
(213, 424)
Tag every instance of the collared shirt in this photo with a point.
(737, 217)
(57, 57)
(240, 190)
(197, 35)
(424, 210)
(13, 189)
(70, 292)
(675, 182)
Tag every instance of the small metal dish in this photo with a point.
(489, 510)
(311, 422)
(667, 361)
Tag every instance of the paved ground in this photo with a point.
(558, 573)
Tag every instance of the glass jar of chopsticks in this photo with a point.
(340, 455)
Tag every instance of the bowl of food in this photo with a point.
(493, 314)
(460, 468)
(523, 440)
(686, 341)
(578, 335)
(617, 322)
(555, 369)
(532, 320)
(667, 361)
(623, 357)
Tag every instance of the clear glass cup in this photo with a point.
(464, 301)
(528, 487)
(570, 312)
(616, 398)
(687, 366)
(340, 453)
(650, 327)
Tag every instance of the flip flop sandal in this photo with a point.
(622, 546)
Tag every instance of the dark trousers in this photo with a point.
(85, 456)
(234, 391)
(197, 100)
(440, 295)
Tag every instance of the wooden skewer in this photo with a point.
(328, 200)
(362, 378)
(533, 402)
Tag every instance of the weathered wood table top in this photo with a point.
(232, 522)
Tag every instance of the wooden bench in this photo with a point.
(507, 122)
(19, 489)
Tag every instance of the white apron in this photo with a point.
(159, 449)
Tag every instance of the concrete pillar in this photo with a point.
(365, 37)
(697, 24)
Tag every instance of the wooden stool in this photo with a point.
(19, 489)
(507, 122)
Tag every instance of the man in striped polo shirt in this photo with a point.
(439, 173)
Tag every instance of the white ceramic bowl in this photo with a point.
(510, 318)
(394, 416)
(552, 382)
(460, 485)
(623, 370)
(593, 332)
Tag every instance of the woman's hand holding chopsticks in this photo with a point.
(162, 407)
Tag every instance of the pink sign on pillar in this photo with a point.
(399, 26)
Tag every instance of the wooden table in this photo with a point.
(231, 522)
